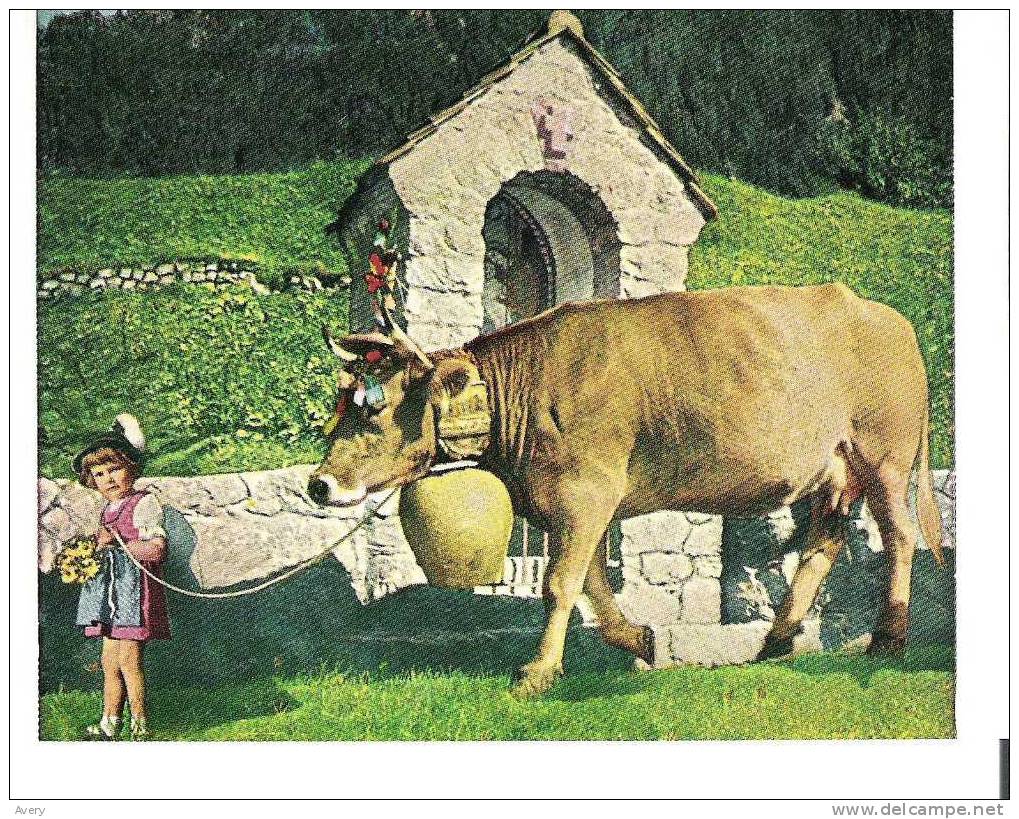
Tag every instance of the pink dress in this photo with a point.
(154, 622)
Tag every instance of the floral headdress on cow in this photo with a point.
(359, 379)
(464, 421)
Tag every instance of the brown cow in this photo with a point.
(728, 402)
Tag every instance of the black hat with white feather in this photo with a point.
(125, 436)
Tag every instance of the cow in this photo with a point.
(730, 402)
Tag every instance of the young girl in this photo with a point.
(122, 604)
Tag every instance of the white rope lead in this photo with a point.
(264, 585)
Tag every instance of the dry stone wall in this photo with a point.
(216, 275)
(250, 525)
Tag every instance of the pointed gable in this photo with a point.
(566, 28)
(553, 142)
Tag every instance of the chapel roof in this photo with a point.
(566, 25)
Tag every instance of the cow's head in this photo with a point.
(386, 439)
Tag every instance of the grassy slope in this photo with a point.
(273, 219)
(220, 371)
(818, 696)
(897, 256)
(222, 381)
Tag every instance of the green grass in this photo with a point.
(823, 696)
(197, 371)
(222, 381)
(897, 256)
(275, 220)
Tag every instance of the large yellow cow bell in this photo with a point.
(458, 525)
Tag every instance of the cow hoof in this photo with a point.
(647, 646)
(535, 681)
(886, 644)
(775, 649)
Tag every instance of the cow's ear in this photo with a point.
(452, 376)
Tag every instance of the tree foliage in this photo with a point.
(753, 94)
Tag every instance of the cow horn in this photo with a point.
(335, 347)
(401, 337)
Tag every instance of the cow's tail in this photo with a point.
(926, 506)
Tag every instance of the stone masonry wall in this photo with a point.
(247, 525)
(215, 274)
(671, 566)
(250, 525)
(682, 598)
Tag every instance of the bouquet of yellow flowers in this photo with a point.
(77, 561)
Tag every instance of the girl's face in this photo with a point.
(112, 480)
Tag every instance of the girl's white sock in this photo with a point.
(109, 726)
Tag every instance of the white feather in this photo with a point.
(131, 429)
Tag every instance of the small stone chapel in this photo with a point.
(546, 183)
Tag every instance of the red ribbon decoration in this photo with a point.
(341, 404)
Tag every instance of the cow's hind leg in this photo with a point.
(615, 629)
(887, 499)
(824, 542)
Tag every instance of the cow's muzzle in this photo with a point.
(325, 491)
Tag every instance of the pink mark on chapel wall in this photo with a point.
(554, 125)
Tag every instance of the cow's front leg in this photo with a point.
(571, 550)
(564, 580)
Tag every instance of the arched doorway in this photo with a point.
(548, 239)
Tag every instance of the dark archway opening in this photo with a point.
(548, 239)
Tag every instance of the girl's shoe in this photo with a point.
(108, 728)
(139, 730)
